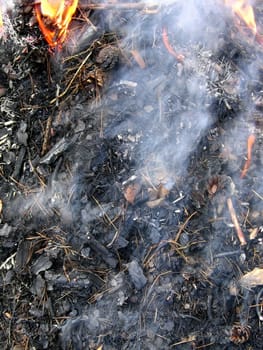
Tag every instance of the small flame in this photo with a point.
(245, 11)
(1, 20)
(57, 15)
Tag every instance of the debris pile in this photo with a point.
(131, 193)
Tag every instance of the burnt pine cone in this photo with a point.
(240, 334)
(107, 57)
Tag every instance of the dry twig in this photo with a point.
(233, 215)
(179, 57)
(46, 136)
(122, 6)
(73, 79)
(250, 142)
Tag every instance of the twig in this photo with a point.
(121, 6)
(72, 80)
(19, 162)
(88, 20)
(257, 194)
(105, 214)
(250, 142)
(10, 261)
(180, 58)
(138, 58)
(182, 227)
(149, 291)
(46, 136)
(233, 215)
(224, 254)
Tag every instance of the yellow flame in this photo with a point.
(1, 20)
(53, 9)
(59, 14)
(245, 11)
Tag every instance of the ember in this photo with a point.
(54, 17)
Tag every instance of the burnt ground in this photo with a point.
(118, 160)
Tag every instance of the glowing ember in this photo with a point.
(245, 11)
(54, 17)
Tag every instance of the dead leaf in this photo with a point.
(1, 206)
(131, 191)
(252, 279)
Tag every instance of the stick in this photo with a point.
(179, 57)
(233, 215)
(120, 6)
(46, 136)
(250, 142)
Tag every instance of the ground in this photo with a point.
(124, 176)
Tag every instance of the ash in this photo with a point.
(119, 155)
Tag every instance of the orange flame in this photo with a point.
(54, 17)
(245, 11)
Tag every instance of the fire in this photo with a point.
(1, 20)
(54, 17)
(245, 11)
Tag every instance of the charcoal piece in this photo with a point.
(85, 252)
(9, 157)
(4, 133)
(128, 320)
(3, 83)
(155, 235)
(43, 263)
(120, 243)
(74, 334)
(21, 134)
(38, 286)
(5, 230)
(58, 149)
(3, 79)
(63, 308)
(36, 311)
(136, 274)
(19, 162)
(102, 251)
(85, 37)
(55, 279)
(23, 255)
